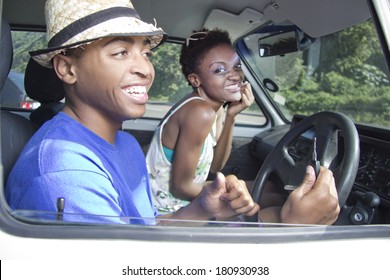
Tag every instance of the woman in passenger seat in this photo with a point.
(195, 137)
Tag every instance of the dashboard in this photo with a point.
(374, 166)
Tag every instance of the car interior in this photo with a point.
(273, 141)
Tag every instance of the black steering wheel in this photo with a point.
(337, 149)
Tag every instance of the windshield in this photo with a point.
(344, 72)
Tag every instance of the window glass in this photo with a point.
(344, 71)
(58, 218)
(13, 94)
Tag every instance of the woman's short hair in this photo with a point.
(197, 45)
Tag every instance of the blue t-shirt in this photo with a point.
(100, 182)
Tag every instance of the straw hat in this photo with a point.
(71, 23)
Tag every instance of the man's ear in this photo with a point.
(63, 66)
(194, 80)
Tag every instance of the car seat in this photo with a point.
(43, 85)
(16, 130)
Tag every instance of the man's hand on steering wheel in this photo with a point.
(314, 201)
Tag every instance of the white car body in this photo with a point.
(36, 250)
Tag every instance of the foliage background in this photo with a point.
(352, 77)
(344, 72)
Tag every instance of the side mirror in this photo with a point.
(284, 41)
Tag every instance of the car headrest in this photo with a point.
(42, 84)
(6, 51)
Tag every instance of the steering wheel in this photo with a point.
(337, 149)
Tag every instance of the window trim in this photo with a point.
(221, 235)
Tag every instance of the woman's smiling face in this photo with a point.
(220, 74)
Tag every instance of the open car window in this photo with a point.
(310, 74)
(344, 71)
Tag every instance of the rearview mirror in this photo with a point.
(284, 42)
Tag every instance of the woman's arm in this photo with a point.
(194, 125)
(225, 127)
(224, 135)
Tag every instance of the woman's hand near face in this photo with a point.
(247, 99)
(225, 127)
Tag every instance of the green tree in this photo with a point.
(169, 84)
(23, 42)
(351, 75)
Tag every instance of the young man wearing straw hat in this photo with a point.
(100, 49)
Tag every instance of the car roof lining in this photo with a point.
(193, 14)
